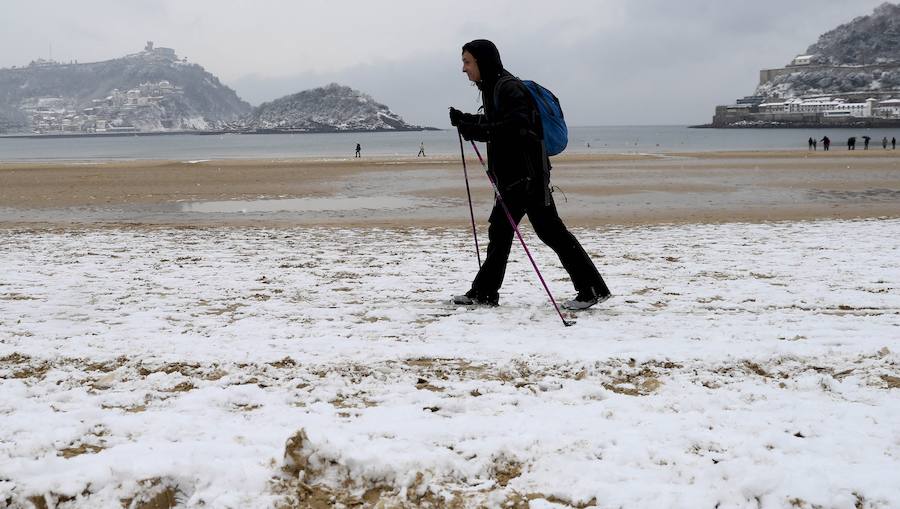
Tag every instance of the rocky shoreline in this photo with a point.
(211, 132)
(844, 124)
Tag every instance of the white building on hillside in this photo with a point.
(802, 106)
(858, 110)
(802, 60)
(816, 105)
(776, 107)
(831, 107)
(889, 108)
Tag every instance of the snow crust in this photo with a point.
(738, 365)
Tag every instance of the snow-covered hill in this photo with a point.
(152, 90)
(872, 39)
(862, 56)
(330, 108)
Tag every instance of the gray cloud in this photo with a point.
(609, 61)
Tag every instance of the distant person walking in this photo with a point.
(421, 150)
(815, 144)
(810, 143)
(893, 143)
(358, 150)
(866, 140)
(851, 143)
(884, 143)
(826, 143)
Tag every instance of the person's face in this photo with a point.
(470, 67)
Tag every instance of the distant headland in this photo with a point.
(849, 78)
(155, 92)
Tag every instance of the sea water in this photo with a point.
(582, 140)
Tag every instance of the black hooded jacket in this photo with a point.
(510, 125)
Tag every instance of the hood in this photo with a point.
(488, 57)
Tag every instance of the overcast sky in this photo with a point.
(611, 62)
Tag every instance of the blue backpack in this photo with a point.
(556, 134)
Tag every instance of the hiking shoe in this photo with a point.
(586, 299)
(472, 298)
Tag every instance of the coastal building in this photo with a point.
(162, 53)
(160, 89)
(63, 115)
(888, 109)
(801, 60)
(753, 100)
(807, 110)
(133, 97)
(121, 129)
(43, 63)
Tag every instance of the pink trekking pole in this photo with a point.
(512, 223)
(462, 152)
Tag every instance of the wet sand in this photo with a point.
(399, 192)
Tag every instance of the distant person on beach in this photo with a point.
(851, 143)
(520, 167)
(826, 143)
(884, 143)
(421, 150)
(866, 140)
(358, 150)
(810, 143)
(815, 144)
(893, 143)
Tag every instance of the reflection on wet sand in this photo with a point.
(398, 192)
(303, 204)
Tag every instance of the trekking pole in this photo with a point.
(512, 223)
(462, 152)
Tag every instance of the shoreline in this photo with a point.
(858, 124)
(400, 192)
(64, 135)
(453, 158)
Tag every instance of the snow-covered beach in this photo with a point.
(740, 364)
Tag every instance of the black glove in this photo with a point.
(467, 130)
(455, 116)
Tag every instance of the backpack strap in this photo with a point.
(500, 83)
(545, 170)
(535, 111)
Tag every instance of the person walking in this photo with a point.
(826, 143)
(866, 140)
(358, 150)
(421, 150)
(851, 143)
(810, 143)
(884, 143)
(511, 127)
(893, 143)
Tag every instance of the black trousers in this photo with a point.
(550, 229)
